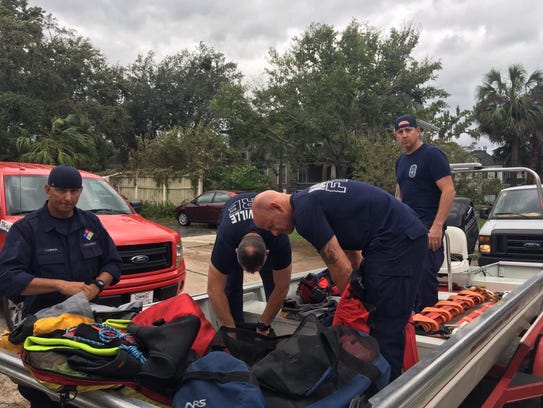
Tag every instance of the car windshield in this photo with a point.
(517, 204)
(25, 194)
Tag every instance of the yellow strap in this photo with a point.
(35, 343)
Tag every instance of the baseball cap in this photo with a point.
(63, 176)
(411, 122)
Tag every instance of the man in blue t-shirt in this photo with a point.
(425, 184)
(345, 219)
(241, 246)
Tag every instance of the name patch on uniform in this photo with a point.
(88, 234)
(412, 171)
(5, 225)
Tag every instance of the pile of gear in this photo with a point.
(171, 355)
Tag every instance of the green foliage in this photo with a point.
(177, 91)
(244, 177)
(64, 144)
(157, 211)
(47, 72)
(375, 160)
(509, 110)
(477, 187)
(331, 92)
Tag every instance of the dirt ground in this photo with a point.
(197, 251)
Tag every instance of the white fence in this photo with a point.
(143, 188)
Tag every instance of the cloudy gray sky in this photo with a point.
(469, 37)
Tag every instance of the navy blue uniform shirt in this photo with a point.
(38, 245)
(355, 212)
(237, 220)
(416, 174)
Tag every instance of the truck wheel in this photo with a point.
(13, 313)
(183, 219)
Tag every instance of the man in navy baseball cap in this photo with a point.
(424, 183)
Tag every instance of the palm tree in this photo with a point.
(64, 144)
(508, 110)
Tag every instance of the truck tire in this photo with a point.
(13, 313)
(183, 219)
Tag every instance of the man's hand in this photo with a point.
(91, 291)
(435, 237)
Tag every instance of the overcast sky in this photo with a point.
(469, 37)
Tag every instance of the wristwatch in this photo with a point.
(100, 283)
(263, 326)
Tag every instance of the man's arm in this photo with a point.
(216, 282)
(337, 262)
(281, 280)
(40, 286)
(435, 234)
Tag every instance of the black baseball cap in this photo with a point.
(64, 176)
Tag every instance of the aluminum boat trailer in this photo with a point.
(449, 368)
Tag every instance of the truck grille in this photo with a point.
(521, 245)
(145, 258)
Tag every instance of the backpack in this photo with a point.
(88, 357)
(321, 367)
(172, 308)
(315, 288)
(51, 369)
(218, 380)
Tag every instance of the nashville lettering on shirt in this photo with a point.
(241, 210)
(335, 186)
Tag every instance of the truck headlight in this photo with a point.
(484, 244)
(178, 254)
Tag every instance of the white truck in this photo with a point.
(514, 229)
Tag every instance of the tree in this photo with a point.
(47, 72)
(331, 91)
(508, 109)
(64, 144)
(177, 91)
(200, 153)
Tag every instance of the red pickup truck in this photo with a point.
(153, 264)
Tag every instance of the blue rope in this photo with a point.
(106, 334)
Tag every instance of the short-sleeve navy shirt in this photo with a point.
(356, 213)
(416, 174)
(237, 220)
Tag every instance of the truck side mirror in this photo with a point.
(484, 212)
(138, 206)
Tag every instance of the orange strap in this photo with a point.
(427, 324)
(474, 295)
(445, 314)
(475, 313)
(463, 299)
(454, 306)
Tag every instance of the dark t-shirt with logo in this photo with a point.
(416, 174)
(237, 220)
(355, 212)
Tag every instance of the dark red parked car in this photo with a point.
(205, 208)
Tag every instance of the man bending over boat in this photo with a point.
(241, 246)
(341, 218)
